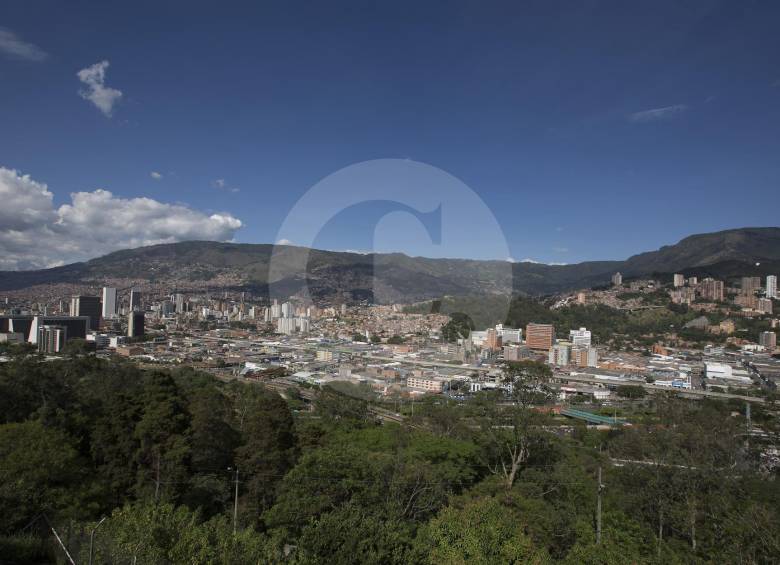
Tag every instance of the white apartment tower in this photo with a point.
(771, 286)
(109, 302)
(580, 337)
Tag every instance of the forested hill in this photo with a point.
(395, 277)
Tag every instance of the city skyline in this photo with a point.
(552, 119)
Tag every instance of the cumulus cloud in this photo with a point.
(14, 47)
(655, 114)
(35, 234)
(155, 175)
(96, 91)
(284, 242)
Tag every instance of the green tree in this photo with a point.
(512, 432)
(481, 532)
(78, 346)
(459, 326)
(632, 392)
(162, 433)
(40, 472)
(267, 451)
(163, 533)
(354, 534)
(213, 441)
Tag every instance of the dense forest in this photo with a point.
(188, 469)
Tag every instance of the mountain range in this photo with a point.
(395, 277)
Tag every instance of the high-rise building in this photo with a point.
(493, 340)
(178, 301)
(135, 299)
(750, 285)
(30, 326)
(580, 337)
(285, 325)
(693, 281)
(509, 335)
(679, 280)
(764, 305)
(771, 286)
(584, 356)
(749, 301)
(768, 340)
(682, 295)
(109, 302)
(287, 310)
(617, 279)
(511, 353)
(166, 308)
(25, 325)
(559, 354)
(87, 306)
(51, 339)
(539, 336)
(135, 324)
(711, 289)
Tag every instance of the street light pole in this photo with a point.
(235, 503)
(598, 509)
(92, 539)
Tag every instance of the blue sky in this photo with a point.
(591, 130)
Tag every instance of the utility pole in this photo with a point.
(157, 481)
(235, 506)
(598, 509)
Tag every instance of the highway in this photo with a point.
(695, 393)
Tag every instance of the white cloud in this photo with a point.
(13, 46)
(535, 262)
(96, 91)
(655, 114)
(35, 234)
(222, 184)
(284, 242)
(155, 175)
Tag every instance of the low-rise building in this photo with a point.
(426, 384)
